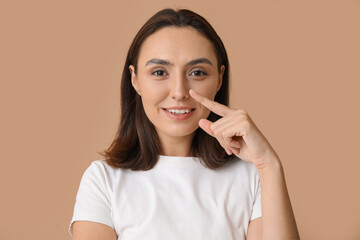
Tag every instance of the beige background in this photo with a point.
(294, 66)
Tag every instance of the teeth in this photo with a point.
(178, 111)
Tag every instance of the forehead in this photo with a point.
(176, 44)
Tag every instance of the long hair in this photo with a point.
(136, 145)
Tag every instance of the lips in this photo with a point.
(179, 113)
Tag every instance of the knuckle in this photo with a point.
(241, 111)
(247, 125)
(242, 118)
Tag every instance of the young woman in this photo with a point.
(183, 164)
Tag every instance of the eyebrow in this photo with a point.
(165, 62)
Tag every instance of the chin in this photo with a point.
(179, 132)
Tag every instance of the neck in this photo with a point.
(176, 146)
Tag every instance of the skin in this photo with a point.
(181, 85)
(164, 86)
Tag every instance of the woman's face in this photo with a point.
(172, 61)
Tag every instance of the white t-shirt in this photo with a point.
(177, 199)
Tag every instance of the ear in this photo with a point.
(221, 74)
(134, 81)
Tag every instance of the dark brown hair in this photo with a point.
(136, 145)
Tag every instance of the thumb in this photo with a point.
(205, 125)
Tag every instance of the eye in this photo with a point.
(158, 73)
(198, 73)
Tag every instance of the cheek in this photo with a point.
(151, 90)
(207, 89)
(152, 96)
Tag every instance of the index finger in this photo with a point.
(213, 106)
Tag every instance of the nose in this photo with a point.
(179, 89)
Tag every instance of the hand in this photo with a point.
(236, 132)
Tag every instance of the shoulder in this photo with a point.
(100, 170)
(100, 178)
(102, 166)
(100, 163)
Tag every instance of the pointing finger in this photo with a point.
(213, 106)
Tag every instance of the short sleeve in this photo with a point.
(92, 199)
(256, 210)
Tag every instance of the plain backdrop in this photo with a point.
(295, 68)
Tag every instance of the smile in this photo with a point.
(179, 113)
